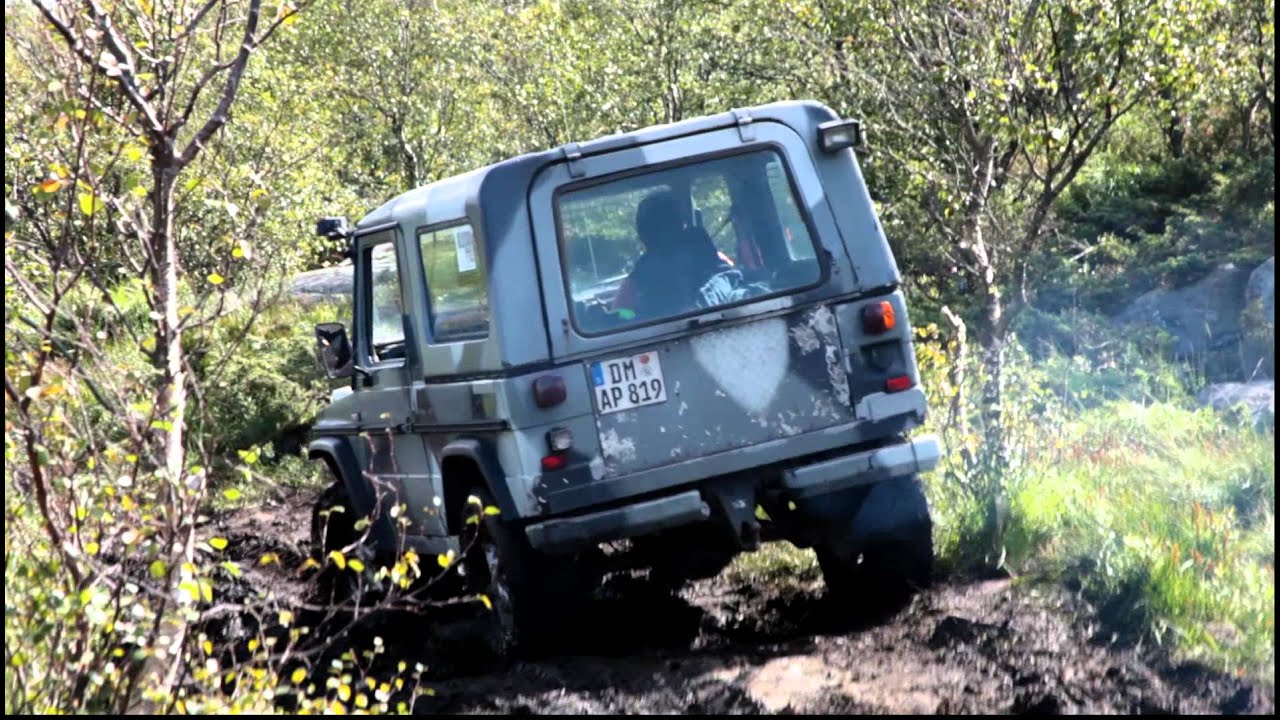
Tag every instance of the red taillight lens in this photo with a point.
(549, 391)
(878, 317)
(553, 462)
(898, 384)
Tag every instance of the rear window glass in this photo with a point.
(684, 240)
(455, 283)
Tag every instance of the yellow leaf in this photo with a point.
(90, 203)
(355, 565)
(218, 543)
(286, 617)
(308, 563)
(269, 558)
(206, 590)
(208, 647)
(362, 701)
(491, 510)
(338, 559)
(236, 252)
(50, 186)
(215, 279)
(445, 559)
(344, 692)
(191, 589)
(158, 569)
(488, 604)
(127, 503)
(91, 548)
(134, 152)
(298, 676)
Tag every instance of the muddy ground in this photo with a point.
(968, 645)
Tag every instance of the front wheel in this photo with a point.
(883, 555)
(333, 529)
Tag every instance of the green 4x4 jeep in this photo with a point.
(673, 344)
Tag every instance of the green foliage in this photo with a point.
(1161, 224)
(259, 376)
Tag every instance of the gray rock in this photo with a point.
(1204, 319)
(1258, 351)
(1262, 287)
(329, 284)
(1257, 398)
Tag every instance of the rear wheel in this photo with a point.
(883, 555)
(529, 594)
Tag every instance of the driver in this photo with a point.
(675, 262)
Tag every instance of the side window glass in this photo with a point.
(385, 303)
(793, 228)
(455, 284)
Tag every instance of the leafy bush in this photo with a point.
(269, 385)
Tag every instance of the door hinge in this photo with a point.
(573, 156)
(746, 130)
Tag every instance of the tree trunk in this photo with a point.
(171, 397)
(170, 409)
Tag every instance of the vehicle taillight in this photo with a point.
(559, 441)
(898, 384)
(878, 317)
(549, 391)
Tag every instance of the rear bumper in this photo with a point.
(628, 521)
(919, 455)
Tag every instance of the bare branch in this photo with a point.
(223, 112)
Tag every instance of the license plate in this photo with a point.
(628, 382)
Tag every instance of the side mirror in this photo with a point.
(334, 228)
(334, 350)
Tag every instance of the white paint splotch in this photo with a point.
(747, 362)
(806, 338)
(823, 323)
(617, 449)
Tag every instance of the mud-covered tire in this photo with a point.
(333, 528)
(883, 555)
(531, 595)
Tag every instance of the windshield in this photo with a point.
(683, 240)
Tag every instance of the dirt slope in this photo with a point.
(966, 646)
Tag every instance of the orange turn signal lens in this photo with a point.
(878, 317)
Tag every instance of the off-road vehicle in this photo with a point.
(653, 350)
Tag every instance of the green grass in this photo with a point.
(1164, 516)
(1167, 518)
(774, 563)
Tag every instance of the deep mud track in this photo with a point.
(965, 646)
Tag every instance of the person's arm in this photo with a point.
(626, 297)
